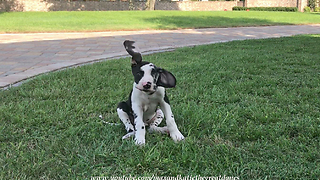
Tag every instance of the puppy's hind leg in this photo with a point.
(125, 115)
(155, 122)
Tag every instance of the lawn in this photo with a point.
(21, 22)
(249, 109)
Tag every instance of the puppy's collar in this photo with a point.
(149, 92)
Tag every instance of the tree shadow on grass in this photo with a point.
(182, 22)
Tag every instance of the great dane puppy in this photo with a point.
(148, 93)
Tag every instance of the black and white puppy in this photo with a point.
(148, 93)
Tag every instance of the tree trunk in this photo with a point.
(150, 4)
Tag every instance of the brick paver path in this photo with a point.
(26, 55)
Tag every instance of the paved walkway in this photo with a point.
(26, 55)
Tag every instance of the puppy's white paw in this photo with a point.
(177, 136)
(140, 140)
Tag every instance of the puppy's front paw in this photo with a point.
(176, 136)
(140, 141)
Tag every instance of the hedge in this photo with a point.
(288, 9)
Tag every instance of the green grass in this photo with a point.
(247, 108)
(19, 22)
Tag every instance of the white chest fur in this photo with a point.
(148, 103)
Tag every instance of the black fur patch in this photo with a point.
(136, 71)
(126, 107)
(166, 99)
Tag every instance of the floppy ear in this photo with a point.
(166, 79)
(136, 56)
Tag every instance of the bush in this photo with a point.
(239, 8)
(312, 4)
(288, 9)
(307, 9)
(317, 9)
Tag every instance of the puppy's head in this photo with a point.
(147, 76)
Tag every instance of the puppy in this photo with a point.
(148, 93)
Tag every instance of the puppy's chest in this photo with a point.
(149, 105)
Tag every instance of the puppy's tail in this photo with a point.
(136, 55)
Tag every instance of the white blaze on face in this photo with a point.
(147, 77)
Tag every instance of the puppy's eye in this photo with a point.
(153, 72)
(140, 73)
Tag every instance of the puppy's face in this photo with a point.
(146, 76)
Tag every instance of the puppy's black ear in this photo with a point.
(136, 56)
(166, 79)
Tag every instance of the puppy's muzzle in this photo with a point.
(146, 86)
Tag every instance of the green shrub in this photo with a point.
(307, 9)
(312, 4)
(317, 9)
(239, 8)
(288, 9)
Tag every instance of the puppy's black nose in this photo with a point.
(147, 85)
